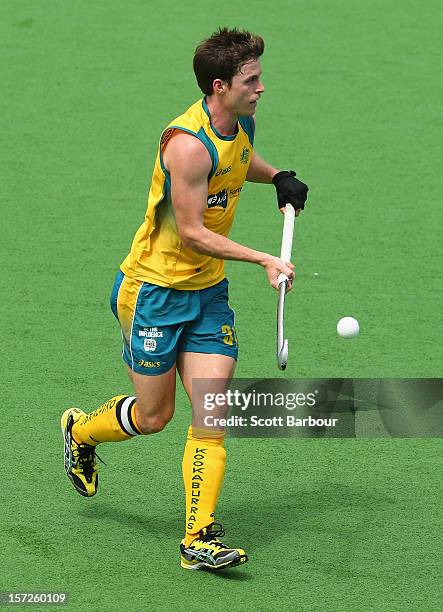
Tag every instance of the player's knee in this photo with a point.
(152, 423)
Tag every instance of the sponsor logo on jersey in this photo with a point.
(218, 199)
(222, 171)
(236, 191)
(244, 155)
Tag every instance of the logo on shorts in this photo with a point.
(218, 199)
(148, 364)
(149, 344)
(150, 332)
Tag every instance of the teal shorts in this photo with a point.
(157, 323)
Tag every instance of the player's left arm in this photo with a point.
(289, 189)
(259, 170)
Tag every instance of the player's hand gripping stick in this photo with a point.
(286, 250)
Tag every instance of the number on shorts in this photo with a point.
(230, 335)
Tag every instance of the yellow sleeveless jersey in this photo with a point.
(157, 254)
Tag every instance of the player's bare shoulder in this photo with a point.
(185, 153)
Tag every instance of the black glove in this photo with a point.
(290, 190)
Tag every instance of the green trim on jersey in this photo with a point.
(203, 137)
(216, 132)
(248, 125)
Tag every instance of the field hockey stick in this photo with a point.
(285, 255)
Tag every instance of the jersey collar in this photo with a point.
(216, 132)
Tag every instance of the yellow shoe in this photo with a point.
(80, 459)
(207, 552)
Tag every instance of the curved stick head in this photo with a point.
(282, 357)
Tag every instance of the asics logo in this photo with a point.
(201, 555)
(148, 364)
(222, 171)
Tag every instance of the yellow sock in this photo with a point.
(203, 470)
(113, 421)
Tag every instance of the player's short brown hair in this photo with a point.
(222, 55)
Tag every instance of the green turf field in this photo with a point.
(353, 103)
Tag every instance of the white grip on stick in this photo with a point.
(286, 251)
(286, 243)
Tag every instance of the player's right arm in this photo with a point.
(189, 164)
